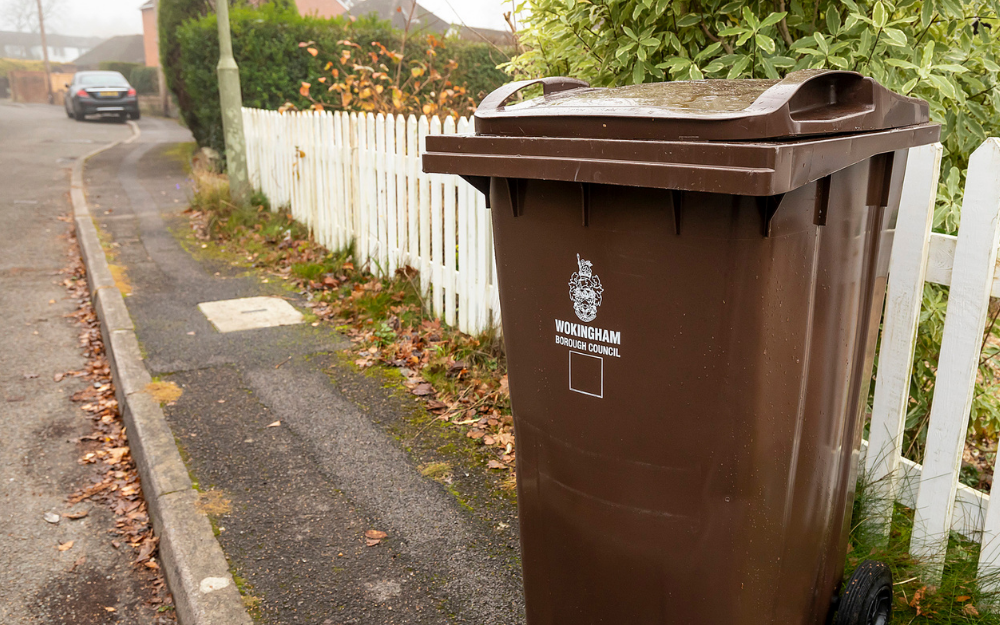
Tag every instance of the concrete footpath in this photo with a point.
(90, 580)
(290, 503)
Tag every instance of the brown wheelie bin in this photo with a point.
(691, 276)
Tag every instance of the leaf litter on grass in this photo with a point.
(460, 379)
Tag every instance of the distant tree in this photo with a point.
(22, 15)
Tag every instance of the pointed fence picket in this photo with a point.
(357, 178)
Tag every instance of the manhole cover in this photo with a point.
(248, 313)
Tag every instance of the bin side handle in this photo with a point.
(495, 101)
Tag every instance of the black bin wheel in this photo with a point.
(867, 596)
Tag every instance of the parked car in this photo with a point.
(101, 93)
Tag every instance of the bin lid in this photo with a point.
(804, 103)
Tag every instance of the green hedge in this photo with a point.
(125, 69)
(144, 80)
(173, 14)
(273, 66)
(477, 66)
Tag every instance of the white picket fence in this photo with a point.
(967, 264)
(358, 177)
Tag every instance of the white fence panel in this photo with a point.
(357, 177)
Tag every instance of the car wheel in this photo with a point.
(78, 115)
(136, 115)
(69, 113)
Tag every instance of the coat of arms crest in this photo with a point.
(585, 290)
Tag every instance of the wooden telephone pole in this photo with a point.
(45, 52)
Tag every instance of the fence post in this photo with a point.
(437, 233)
(904, 296)
(968, 303)
(400, 207)
(450, 237)
(389, 159)
(413, 171)
(424, 214)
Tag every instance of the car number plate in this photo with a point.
(109, 94)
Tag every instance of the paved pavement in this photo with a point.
(292, 502)
(39, 425)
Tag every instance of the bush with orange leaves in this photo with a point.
(380, 80)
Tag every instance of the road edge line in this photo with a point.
(194, 565)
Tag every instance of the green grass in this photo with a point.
(957, 599)
(182, 153)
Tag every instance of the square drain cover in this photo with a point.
(249, 313)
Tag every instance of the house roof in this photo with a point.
(502, 38)
(149, 5)
(54, 40)
(423, 20)
(124, 48)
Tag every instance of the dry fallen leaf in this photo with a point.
(76, 515)
(970, 609)
(374, 537)
(495, 464)
(274, 425)
(58, 377)
(109, 609)
(66, 546)
(422, 389)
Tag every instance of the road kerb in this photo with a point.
(193, 562)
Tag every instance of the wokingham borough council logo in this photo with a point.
(585, 290)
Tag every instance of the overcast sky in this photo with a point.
(104, 18)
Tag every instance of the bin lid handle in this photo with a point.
(554, 84)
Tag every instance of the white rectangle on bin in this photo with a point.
(581, 385)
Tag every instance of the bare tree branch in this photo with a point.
(783, 26)
(725, 45)
(22, 15)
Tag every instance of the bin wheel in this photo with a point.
(867, 596)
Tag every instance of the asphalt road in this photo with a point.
(39, 425)
(295, 500)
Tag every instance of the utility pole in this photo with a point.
(161, 78)
(231, 99)
(45, 52)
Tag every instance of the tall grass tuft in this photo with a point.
(957, 599)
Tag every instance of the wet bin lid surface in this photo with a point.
(805, 103)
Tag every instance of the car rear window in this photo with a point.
(102, 79)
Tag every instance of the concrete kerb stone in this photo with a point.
(111, 310)
(127, 366)
(152, 445)
(203, 589)
(195, 567)
(98, 274)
